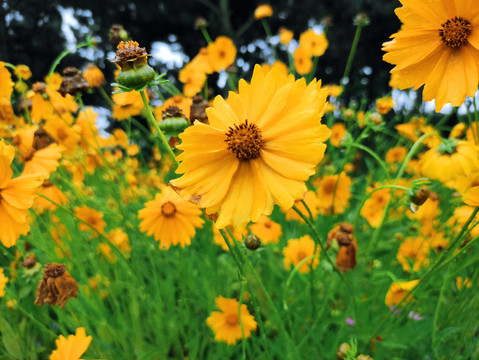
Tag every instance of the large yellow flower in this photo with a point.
(258, 149)
(16, 197)
(438, 47)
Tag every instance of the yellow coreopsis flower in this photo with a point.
(16, 197)
(263, 11)
(298, 250)
(437, 47)
(315, 44)
(226, 323)
(3, 282)
(302, 61)
(171, 219)
(222, 53)
(6, 83)
(471, 197)
(193, 78)
(267, 230)
(91, 217)
(398, 291)
(412, 254)
(259, 147)
(285, 36)
(72, 347)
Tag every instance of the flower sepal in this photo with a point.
(154, 81)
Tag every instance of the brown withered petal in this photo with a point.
(41, 139)
(56, 287)
(197, 110)
(342, 233)
(29, 261)
(172, 112)
(346, 257)
(73, 82)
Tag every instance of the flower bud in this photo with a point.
(420, 195)
(133, 61)
(252, 242)
(342, 351)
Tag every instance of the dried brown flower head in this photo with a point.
(73, 82)
(117, 34)
(197, 111)
(129, 50)
(133, 61)
(56, 287)
(172, 112)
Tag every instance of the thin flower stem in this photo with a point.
(352, 52)
(313, 70)
(65, 53)
(375, 156)
(205, 34)
(243, 340)
(238, 257)
(43, 327)
(438, 307)
(400, 173)
(432, 270)
(105, 96)
(269, 35)
(151, 119)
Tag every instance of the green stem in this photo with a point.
(313, 70)
(65, 53)
(206, 35)
(352, 52)
(243, 340)
(269, 35)
(374, 155)
(238, 257)
(151, 119)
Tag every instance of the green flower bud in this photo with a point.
(135, 72)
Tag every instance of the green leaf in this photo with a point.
(10, 340)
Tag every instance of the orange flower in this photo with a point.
(258, 149)
(314, 44)
(333, 187)
(73, 347)
(49, 190)
(285, 36)
(437, 47)
(299, 249)
(396, 154)
(6, 83)
(267, 230)
(171, 219)
(263, 11)
(384, 105)
(398, 291)
(16, 197)
(374, 207)
(229, 324)
(126, 104)
(471, 197)
(3, 282)
(90, 216)
(412, 254)
(338, 133)
(311, 200)
(222, 53)
(193, 78)
(302, 61)
(93, 75)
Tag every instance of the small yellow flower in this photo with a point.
(73, 347)
(3, 282)
(263, 11)
(302, 61)
(23, 71)
(90, 216)
(398, 291)
(314, 44)
(384, 105)
(299, 249)
(285, 36)
(226, 324)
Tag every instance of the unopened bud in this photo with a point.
(252, 242)
(342, 351)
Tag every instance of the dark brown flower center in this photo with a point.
(129, 50)
(232, 319)
(245, 140)
(168, 209)
(454, 32)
